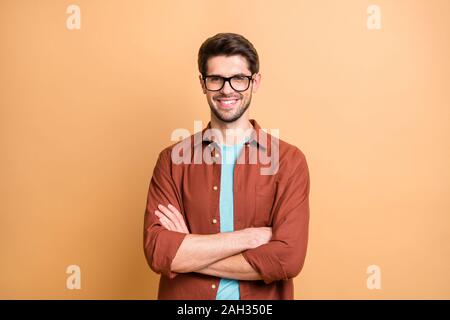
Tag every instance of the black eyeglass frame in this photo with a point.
(228, 79)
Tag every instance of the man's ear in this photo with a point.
(256, 82)
(202, 84)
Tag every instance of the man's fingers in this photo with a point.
(176, 214)
(170, 215)
(175, 217)
(179, 216)
(165, 221)
(165, 225)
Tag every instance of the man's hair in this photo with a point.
(227, 44)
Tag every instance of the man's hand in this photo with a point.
(223, 248)
(258, 236)
(171, 218)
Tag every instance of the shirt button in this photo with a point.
(215, 188)
(217, 155)
(214, 221)
(213, 286)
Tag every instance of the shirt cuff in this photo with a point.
(166, 247)
(266, 263)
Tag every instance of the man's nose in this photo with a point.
(227, 89)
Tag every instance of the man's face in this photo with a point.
(227, 104)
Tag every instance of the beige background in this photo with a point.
(84, 113)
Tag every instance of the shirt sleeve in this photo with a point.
(160, 244)
(283, 256)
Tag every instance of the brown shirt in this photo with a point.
(279, 200)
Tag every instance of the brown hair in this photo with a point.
(227, 44)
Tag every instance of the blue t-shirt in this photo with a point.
(228, 288)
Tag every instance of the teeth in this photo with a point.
(228, 101)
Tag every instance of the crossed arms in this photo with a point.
(270, 254)
(216, 255)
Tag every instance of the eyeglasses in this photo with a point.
(239, 83)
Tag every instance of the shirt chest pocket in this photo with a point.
(264, 202)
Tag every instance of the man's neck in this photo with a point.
(232, 131)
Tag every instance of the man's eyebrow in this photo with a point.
(234, 75)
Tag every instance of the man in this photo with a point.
(221, 227)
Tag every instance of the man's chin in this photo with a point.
(228, 115)
(227, 118)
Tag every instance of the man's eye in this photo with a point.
(239, 78)
(214, 79)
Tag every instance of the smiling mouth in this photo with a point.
(228, 103)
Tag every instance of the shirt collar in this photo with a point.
(257, 135)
